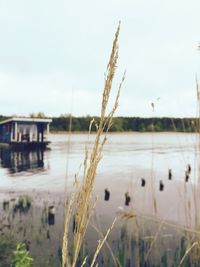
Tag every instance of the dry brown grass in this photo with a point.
(81, 205)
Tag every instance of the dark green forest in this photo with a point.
(121, 124)
(127, 124)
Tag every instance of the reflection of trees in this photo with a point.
(25, 160)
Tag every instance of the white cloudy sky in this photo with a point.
(53, 55)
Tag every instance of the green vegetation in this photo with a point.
(23, 205)
(21, 256)
(120, 124)
(127, 124)
(6, 250)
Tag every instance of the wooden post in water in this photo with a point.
(47, 134)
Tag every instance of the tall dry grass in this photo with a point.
(189, 234)
(81, 203)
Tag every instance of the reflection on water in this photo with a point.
(141, 180)
(125, 155)
(22, 160)
(135, 240)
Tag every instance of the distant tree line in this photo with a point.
(127, 124)
(120, 124)
(2, 118)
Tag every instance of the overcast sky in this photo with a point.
(53, 56)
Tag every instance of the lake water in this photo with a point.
(126, 156)
(126, 159)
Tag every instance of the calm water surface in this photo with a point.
(126, 156)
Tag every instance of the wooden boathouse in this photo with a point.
(25, 132)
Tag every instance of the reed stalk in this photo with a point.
(81, 204)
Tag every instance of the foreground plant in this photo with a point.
(80, 204)
(21, 257)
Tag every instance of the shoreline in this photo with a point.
(123, 132)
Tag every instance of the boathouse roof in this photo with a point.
(20, 119)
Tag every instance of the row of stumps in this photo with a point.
(143, 184)
(161, 184)
(127, 197)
